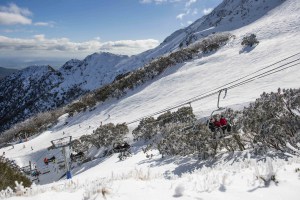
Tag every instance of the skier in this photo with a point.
(211, 125)
(217, 123)
(46, 161)
(224, 125)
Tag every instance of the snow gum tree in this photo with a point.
(273, 120)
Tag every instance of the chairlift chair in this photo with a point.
(219, 110)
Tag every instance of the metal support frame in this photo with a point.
(64, 143)
(218, 103)
(225, 90)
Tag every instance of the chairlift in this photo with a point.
(218, 111)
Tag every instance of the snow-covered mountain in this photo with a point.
(39, 88)
(232, 176)
(92, 72)
(228, 16)
(76, 78)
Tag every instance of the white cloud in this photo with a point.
(159, 1)
(181, 15)
(189, 22)
(195, 11)
(40, 37)
(154, 1)
(13, 8)
(49, 24)
(12, 14)
(190, 2)
(129, 45)
(39, 45)
(146, 1)
(207, 11)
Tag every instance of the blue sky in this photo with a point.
(37, 31)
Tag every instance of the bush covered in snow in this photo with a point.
(273, 120)
(32, 126)
(103, 137)
(270, 122)
(250, 40)
(212, 42)
(178, 133)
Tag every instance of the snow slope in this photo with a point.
(233, 176)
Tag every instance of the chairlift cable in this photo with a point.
(211, 92)
(220, 87)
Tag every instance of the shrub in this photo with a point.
(271, 121)
(32, 126)
(104, 136)
(250, 40)
(9, 176)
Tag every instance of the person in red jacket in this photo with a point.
(46, 161)
(223, 121)
(224, 125)
(217, 123)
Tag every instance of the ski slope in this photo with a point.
(233, 176)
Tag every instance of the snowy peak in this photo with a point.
(228, 16)
(92, 72)
(236, 13)
(70, 64)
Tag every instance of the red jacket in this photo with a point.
(217, 124)
(223, 122)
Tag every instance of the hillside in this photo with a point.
(232, 175)
(40, 88)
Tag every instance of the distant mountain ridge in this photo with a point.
(40, 88)
(21, 96)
